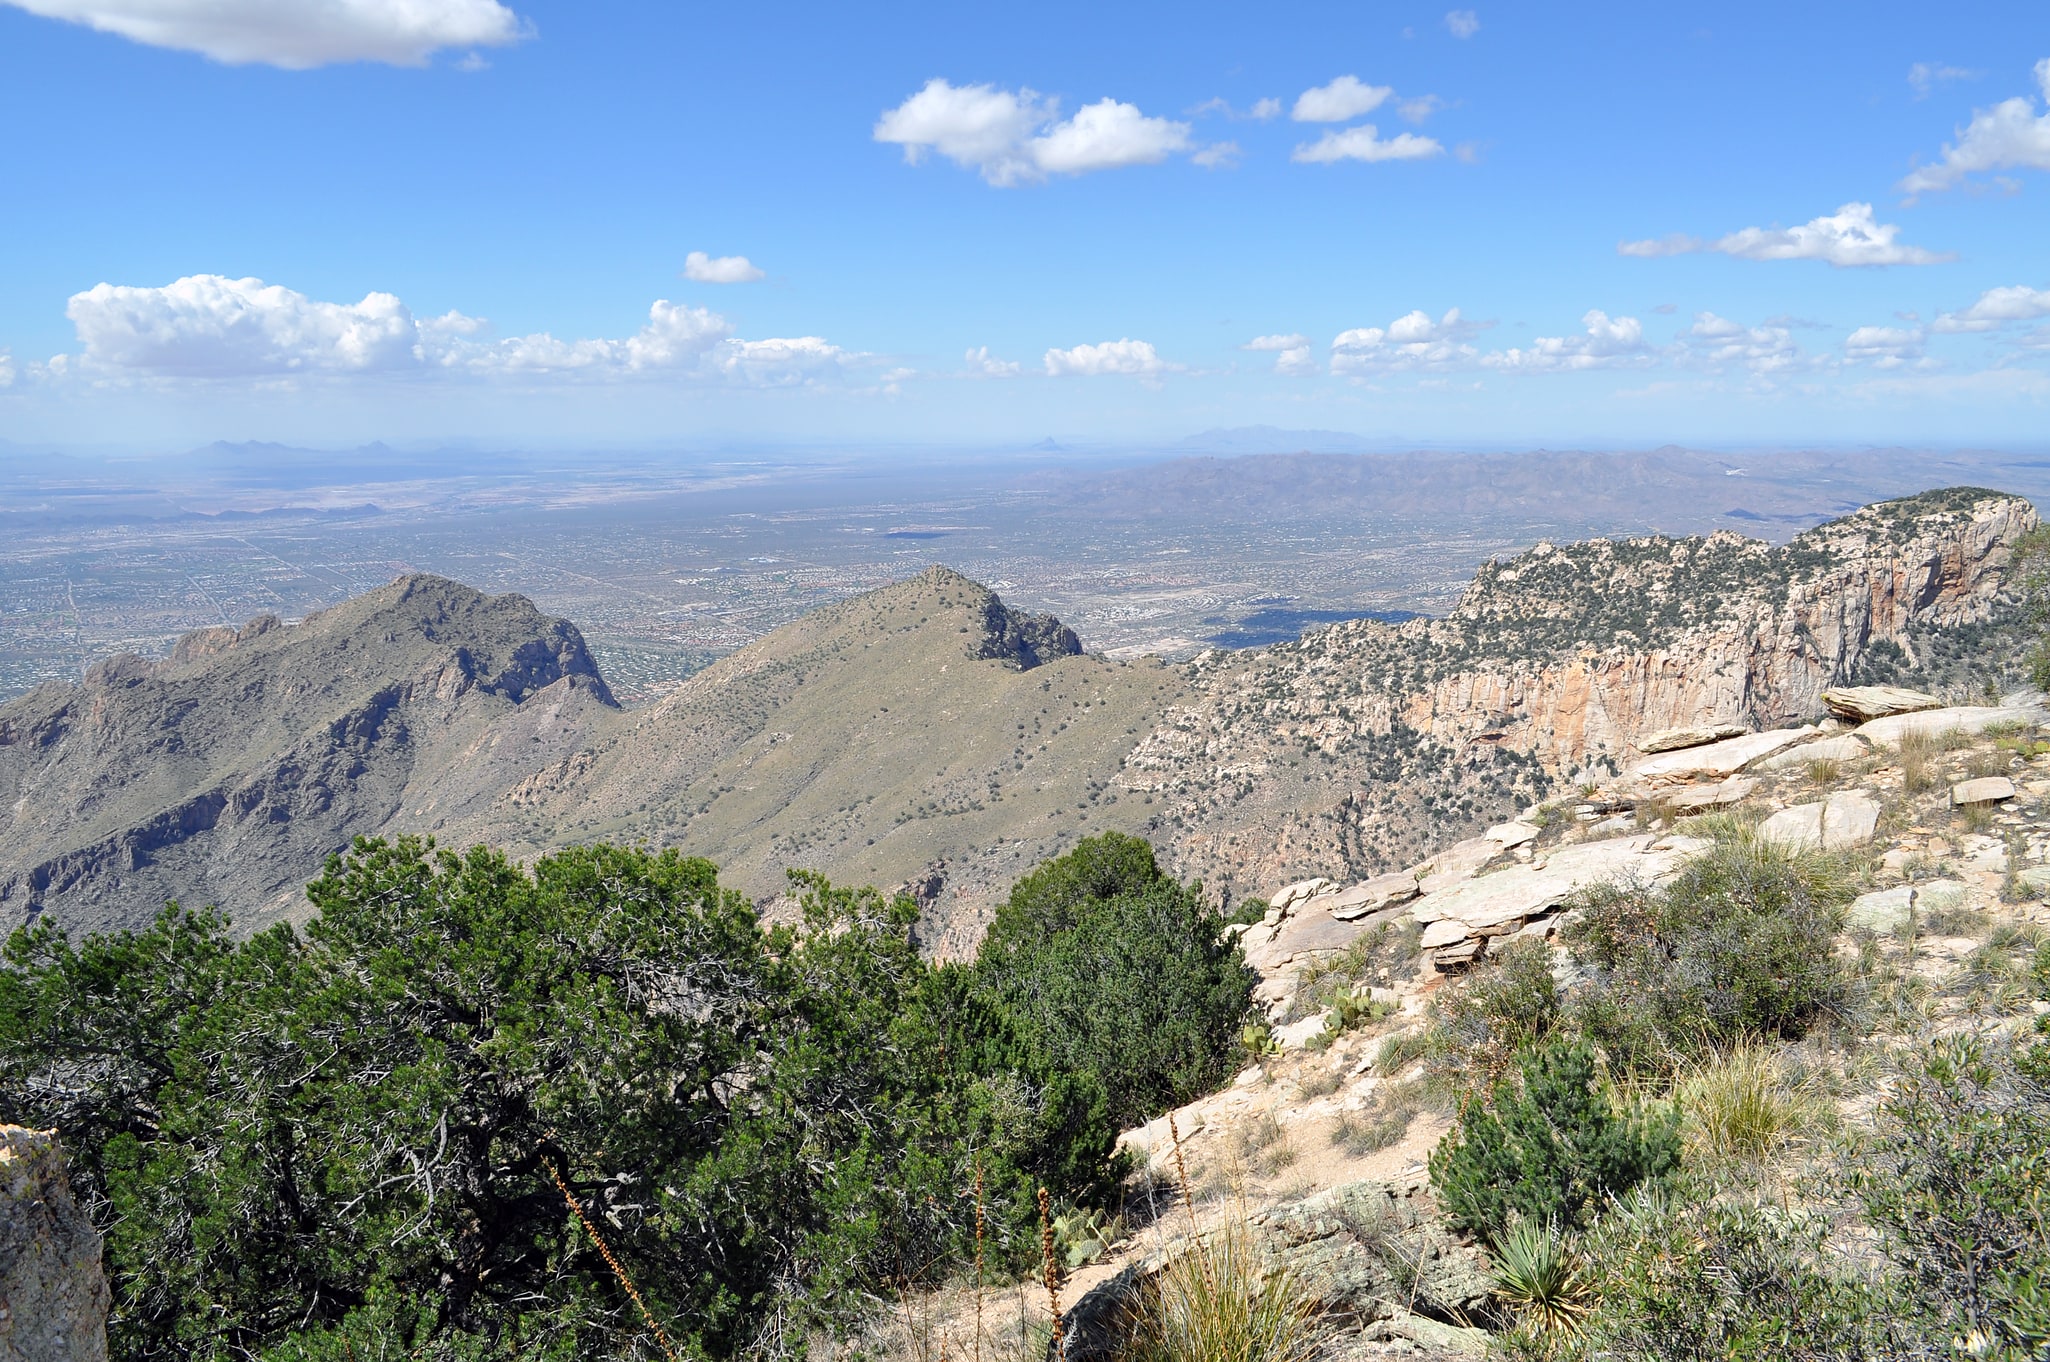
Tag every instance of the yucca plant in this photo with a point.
(1540, 1277)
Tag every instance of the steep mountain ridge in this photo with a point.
(923, 733)
(927, 735)
(227, 770)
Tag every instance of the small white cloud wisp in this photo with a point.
(700, 268)
(2009, 136)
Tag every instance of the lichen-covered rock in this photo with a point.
(53, 1294)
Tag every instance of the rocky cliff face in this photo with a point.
(53, 1294)
(225, 772)
(1366, 743)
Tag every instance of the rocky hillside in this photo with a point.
(1365, 744)
(226, 772)
(922, 734)
(928, 735)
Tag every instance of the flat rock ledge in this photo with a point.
(53, 1294)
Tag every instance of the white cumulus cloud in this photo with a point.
(1132, 357)
(1995, 308)
(1883, 347)
(1105, 135)
(1291, 353)
(1463, 23)
(722, 269)
(1414, 341)
(1345, 97)
(213, 326)
(1608, 343)
(6, 369)
(1364, 143)
(296, 34)
(208, 327)
(1718, 343)
(1849, 237)
(2008, 136)
(983, 364)
(1013, 138)
(1217, 156)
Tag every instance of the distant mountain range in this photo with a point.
(929, 736)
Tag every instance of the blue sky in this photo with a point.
(474, 219)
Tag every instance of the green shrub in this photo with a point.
(1549, 1148)
(1108, 967)
(1741, 943)
(336, 1145)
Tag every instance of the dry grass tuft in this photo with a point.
(1748, 1103)
(1222, 1298)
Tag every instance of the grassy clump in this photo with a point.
(1748, 1103)
(1223, 1298)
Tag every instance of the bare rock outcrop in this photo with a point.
(53, 1293)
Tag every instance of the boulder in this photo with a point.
(1843, 820)
(1984, 790)
(1369, 1256)
(1456, 863)
(1889, 731)
(1512, 835)
(53, 1294)
(1370, 896)
(1938, 896)
(1715, 761)
(1290, 895)
(1887, 912)
(1862, 704)
(1699, 735)
(1526, 891)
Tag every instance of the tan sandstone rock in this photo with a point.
(1697, 735)
(53, 1294)
(1843, 820)
(1984, 790)
(1862, 704)
(1715, 761)
(1370, 896)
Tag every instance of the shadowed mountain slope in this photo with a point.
(227, 771)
